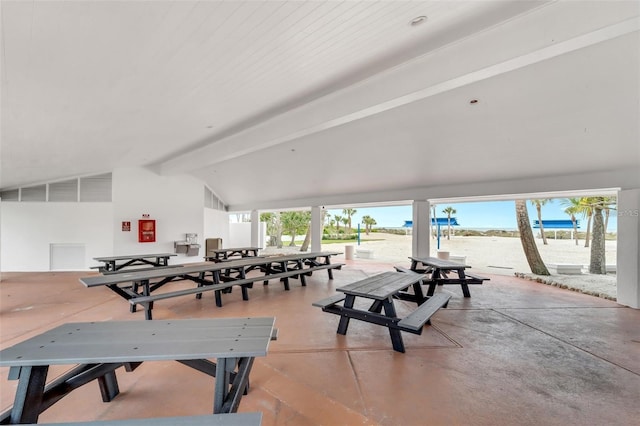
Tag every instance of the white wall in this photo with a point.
(216, 225)
(175, 202)
(240, 235)
(28, 228)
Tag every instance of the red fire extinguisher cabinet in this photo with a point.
(146, 231)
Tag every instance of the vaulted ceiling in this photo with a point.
(270, 102)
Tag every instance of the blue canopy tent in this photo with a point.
(556, 224)
(438, 221)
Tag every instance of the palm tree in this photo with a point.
(449, 211)
(368, 222)
(539, 203)
(573, 208)
(349, 213)
(597, 261)
(345, 222)
(588, 212)
(294, 223)
(528, 241)
(611, 205)
(338, 220)
(596, 205)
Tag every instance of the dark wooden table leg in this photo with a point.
(108, 383)
(396, 337)
(344, 320)
(329, 270)
(417, 291)
(465, 287)
(300, 266)
(221, 388)
(26, 406)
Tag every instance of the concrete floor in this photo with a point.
(515, 353)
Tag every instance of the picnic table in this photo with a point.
(439, 270)
(382, 289)
(137, 287)
(116, 263)
(221, 255)
(304, 262)
(99, 348)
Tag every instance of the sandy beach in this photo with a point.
(494, 255)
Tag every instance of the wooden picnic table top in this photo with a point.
(439, 263)
(133, 256)
(301, 255)
(135, 341)
(175, 271)
(99, 348)
(381, 286)
(234, 249)
(179, 270)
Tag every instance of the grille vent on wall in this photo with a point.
(91, 189)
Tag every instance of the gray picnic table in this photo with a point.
(117, 263)
(99, 348)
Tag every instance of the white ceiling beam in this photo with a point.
(262, 137)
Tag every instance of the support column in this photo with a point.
(628, 267)
(255, 229)
(421, 234)
(316, 229)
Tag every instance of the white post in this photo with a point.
(628, 252)
(316, 229)
(255, 229)
(420, 242)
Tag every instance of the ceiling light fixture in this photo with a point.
(418, 20)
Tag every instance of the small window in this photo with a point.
(10, 195)
(96, 188)
(34, 193)
(64, 191)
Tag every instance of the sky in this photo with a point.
(476, 215)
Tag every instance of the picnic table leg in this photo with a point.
(300, 266)
(285, 280)
(267, 272)
(26, 406)
(435, 276)
(329, 270)
(344, 320)
(221, 388)
(109, 386)
(396, 337)
(134, 287)
(417, 291)
(376, 307)
(465, 287)
(218, 295)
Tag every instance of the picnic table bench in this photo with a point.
(231, 419)
(117, 263)
(383, 289)
(98, 349)
(438, 270)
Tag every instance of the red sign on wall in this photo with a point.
(146, 231)
(126, 226)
